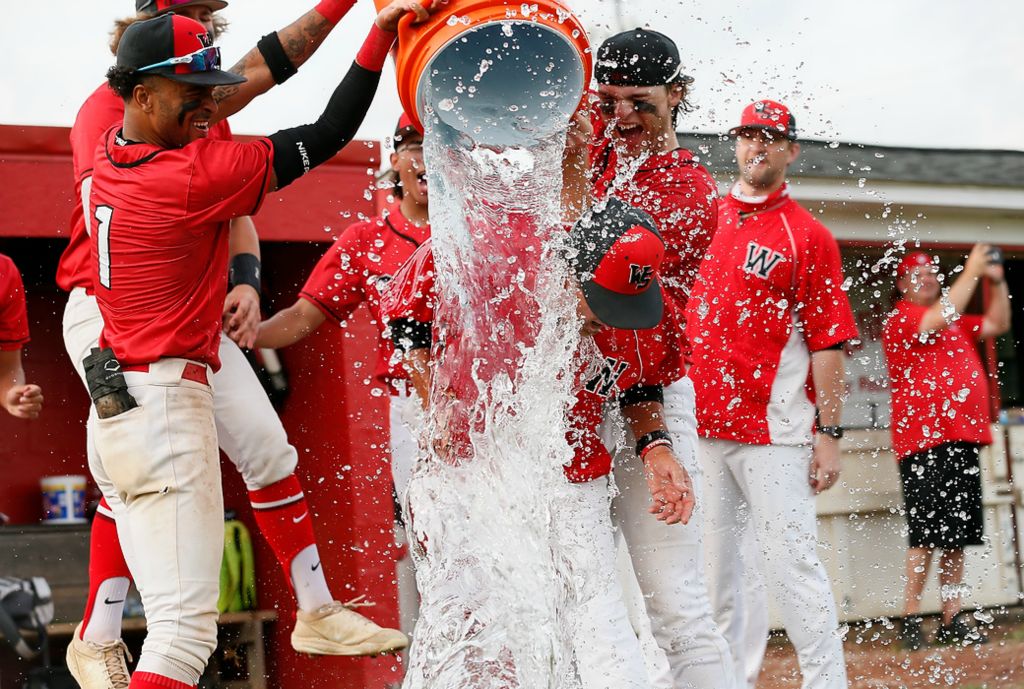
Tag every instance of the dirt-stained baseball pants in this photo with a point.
(186, 520)
(768, 484)
(668, 559)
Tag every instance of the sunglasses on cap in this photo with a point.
(203, 60)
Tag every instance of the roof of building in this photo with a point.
(837, 160)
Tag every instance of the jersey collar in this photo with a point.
(403, 227)
(124, 153)
(752, 205)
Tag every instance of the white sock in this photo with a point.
(308, 580)
(105, 620)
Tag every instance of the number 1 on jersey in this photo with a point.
(103, 216)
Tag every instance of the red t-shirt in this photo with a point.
(160, 241)
(356, 269)
(770, 292)
(939, 385)
(13, 315)
(629, 360)
(101, 111)
(681, 197)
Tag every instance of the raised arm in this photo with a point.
(997, 314)
(277, 56)
(299, 149)
(954, 302)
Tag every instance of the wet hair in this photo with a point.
(220, 26)
(123, 81)
(685, 105)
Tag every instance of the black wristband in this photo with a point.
(244, 270)
(646, 440)
(281, 68)
(641, 393)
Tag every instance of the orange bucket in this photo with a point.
(484, 65)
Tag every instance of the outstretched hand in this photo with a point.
(388, 17)
(672, 498)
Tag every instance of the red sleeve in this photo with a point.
(685, 207)
(13, 315)
(101, 111)
(410, 294)
(825, 315)
(336, 284)
(229, 179)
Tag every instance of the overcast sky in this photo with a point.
(923, 73)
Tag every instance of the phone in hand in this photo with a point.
(995, 256)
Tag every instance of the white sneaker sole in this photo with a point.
(326, 647)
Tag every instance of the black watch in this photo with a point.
(834, 431)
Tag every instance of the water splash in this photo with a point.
(496, 589)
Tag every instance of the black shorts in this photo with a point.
(942, 496)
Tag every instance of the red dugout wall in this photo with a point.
(332, 415)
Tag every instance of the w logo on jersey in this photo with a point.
(640, 276)
(761, 260)
(603, 382)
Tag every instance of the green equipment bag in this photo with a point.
(237, 571)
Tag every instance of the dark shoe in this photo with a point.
(959, 633)
(911, 637)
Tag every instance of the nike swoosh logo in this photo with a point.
(299, 519)
(316, 566)
(111, 602)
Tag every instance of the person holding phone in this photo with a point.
(940, 421)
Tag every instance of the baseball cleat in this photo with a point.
(98, 665)
(333, 629)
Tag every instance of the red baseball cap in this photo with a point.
(769, 115)
(161, 6)
(913, 260)
(405, 127)
(618, 257)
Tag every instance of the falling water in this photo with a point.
(496, 606)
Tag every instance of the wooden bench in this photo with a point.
(60, 554)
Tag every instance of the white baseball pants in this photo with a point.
(159, 468)
(669, 560)
(404, 451)
(608, 654)
(248, 428)
(768, 485)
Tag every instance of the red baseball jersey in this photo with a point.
(627, 362)
(101, 111)
(939, 385)
(681, 197)
(159, 241)
(356, 269)
(770, 292)
(13, 315)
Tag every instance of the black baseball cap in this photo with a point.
(639, 57)
(175, 47)
(617, 255)
(161, 6)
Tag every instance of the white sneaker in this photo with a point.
(333, 629)
(98, 665)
